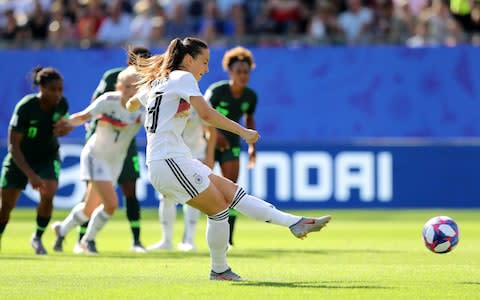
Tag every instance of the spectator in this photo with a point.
(115, 29)
(89, 17)
(141, 26)
(421, 36)
(10, 29)
(60, 29)
(157, 33)
(285, 15)
(211, 23)
(235, 26)
(38, 22)
(323, 26)
(177, 23)
(355, 21)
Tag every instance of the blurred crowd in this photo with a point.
(152, 23)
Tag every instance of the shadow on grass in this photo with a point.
(314, 284)
(236, 253)
(245, 253)
(470, 282)
(21, 257)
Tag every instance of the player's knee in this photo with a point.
(110, 208)
(5, 209)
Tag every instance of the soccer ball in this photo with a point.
(440, 234)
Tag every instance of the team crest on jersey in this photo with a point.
(183, 109)
(197, 178)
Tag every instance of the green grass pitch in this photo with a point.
(362, 254)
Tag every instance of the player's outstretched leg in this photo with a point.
(307, 225)
(258, 209)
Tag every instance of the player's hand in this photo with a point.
(37, 183)
(222, 143)
(252, 157)
(62, 128)
(250, 136)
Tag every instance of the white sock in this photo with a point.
(98, 220)
(217, 240)
(258, 209)
(191, 216)
(75, 218)
(167, 211)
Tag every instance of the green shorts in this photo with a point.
(232, 153)
(14, 178)
(131, 165)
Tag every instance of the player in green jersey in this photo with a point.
(234, 99)
(131, 167)
(33, 154)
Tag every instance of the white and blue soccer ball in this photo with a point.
(441, 234)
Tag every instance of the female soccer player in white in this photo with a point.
(172, 88)
(201, 141)
(102, 159)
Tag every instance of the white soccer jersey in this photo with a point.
(115, 129)
(168, 108)
(193, 136)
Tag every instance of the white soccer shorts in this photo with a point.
(179, 179)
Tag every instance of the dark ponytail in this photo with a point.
(176, 51)
(42, 76)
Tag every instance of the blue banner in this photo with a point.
(407, 175)
(306, 95)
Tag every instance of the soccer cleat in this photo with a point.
(58, 244)
(186, 246)
(160, 246)
(89, 247)
(227, 275)
(307, 225)
(138, 248)
(37, 245)
(77, 249)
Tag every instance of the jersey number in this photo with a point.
(153, 113)
(117, 134)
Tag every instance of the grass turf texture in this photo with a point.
(362, 254)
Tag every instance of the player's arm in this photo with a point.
(139, 99)
(62, 127)
(79, 118)
(211, 136)
(212, 117)
(252, 150)
(14, 141)
(221, 142)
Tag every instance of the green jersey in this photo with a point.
(38, 143)
(221, 99)
(107, 83)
